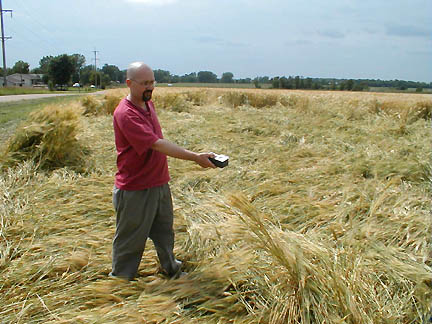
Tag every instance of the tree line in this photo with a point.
(64, 70)
(291, 82)
(345, 84)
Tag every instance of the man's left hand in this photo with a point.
(203, 161)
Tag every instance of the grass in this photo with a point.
(322, 216)
(8, 91)
(21, 90)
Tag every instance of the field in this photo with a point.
(24, 90)
(7, 91)
(322, 216)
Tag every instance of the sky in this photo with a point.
(359, 39)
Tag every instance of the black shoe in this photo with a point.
(178, 273)
(121, 278)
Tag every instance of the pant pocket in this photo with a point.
(116, 197)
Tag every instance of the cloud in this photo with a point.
(300, 42)
(407, 31)
(236, 44)
(426, 53)
(153, 2)
(206, 39)
(331, 34)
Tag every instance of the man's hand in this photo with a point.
(168, 148)
(203, 161)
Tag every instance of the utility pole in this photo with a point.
(95, 59)
(3, 38)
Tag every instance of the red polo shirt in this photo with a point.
(135, 131)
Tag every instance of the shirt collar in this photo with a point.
(143, 111)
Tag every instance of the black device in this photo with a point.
(220, 160)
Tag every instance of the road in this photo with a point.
(44, 95)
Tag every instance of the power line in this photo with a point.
(3, 38)
(30, 16)
(27, 35)
(44, 37)
(31, 13)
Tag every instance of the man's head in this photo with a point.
(140, 80)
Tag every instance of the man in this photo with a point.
(141, 196)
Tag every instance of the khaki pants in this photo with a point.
(143, 214)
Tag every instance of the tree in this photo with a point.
(105, 80)
(95, 77)
(207, 77)
(256, 83)
(360, 86)
(175, 78)
(333, 85)
(302, 84)
(43, 67)
(78, 61)
(61, 69)
(21, 67)
(275, 83)
(244, 81)
(113, 72)
(264, 79)
(227, 77)
(284, 83)
(8, 71)
(85, 74)
(297, 82)
(191, 77)
(316, 86)
(350, 84)
(162, 76)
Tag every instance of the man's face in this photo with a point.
(142, 85)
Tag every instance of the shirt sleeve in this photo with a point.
(138, 132)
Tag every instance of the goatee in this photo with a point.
(147, 95)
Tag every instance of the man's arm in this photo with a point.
(171, 149)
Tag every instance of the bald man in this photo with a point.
(141, 196)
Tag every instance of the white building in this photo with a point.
(23, 80)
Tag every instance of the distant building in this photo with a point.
(23, 80)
